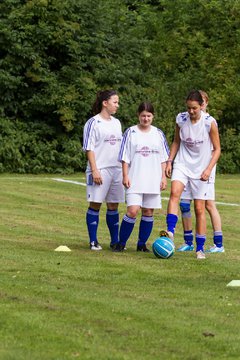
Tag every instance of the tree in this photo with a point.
(56, 54)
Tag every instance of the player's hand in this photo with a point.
(97, 177)
(168, 170)
(205, 175)
(163, 185)
(126, 182)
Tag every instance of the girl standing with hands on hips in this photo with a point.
(101, 141)
(143, 154)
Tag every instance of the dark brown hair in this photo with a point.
(102, 96)
(195, 95)
(145, 106)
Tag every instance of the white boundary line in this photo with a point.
(163, 198)
(69, 181)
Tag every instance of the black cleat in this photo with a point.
(113, 246)
(163, 233)
(143, 248)
(118, 247)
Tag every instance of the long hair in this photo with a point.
(102, 95)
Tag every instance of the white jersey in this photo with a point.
(104, 138)
(195, 151)
(144, 152)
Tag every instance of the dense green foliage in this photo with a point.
(56, 54)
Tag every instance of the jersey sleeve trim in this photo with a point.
(124, 142)
(87, 133)
(165, 143)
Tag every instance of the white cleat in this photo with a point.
(216, 249)
(95, 246)
(200, 255)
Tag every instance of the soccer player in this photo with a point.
(101, 141)
(144, 151)
(185, 207)
(195, 151)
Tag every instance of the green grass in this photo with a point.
(104, 305)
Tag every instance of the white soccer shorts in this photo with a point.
(187, 194)
(110, 191)
(148, 201)
(198, 189)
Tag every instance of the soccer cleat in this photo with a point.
(118, 247)
(94, 245)
(113, 246)
(168, 234)
(186, 247)
(143, 248)
(200, 255)
(216, 249)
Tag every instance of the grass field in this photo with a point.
(104, 305)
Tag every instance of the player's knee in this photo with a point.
(199, 210)
(210, 206)
(185, 208)
(132, 212)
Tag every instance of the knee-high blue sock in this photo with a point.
(218, 238)
(200, 241)
(126, 229)
(188, 237)
(92, 220)
(112, 219)
(145, 229)
(171, 222)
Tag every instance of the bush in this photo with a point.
(35, 148)
(229, 162)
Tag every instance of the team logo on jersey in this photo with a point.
(192, 143)
(189, 142)
(112, 140)
(144, 151)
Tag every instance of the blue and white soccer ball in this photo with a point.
(163, 247)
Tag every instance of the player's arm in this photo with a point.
(95, 172)
(173, 151)
(214, 136)
(126, 181)
(163, 185)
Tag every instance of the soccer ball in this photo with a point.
(163, 247)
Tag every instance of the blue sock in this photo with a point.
(188, 237)
(112, 219)
(126, 229)
(145, 229)
(200, 241)
(218, 238)
(92, 220)
(171, 222)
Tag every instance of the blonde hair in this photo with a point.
(204, 95)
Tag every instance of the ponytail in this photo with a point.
(101, 96)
